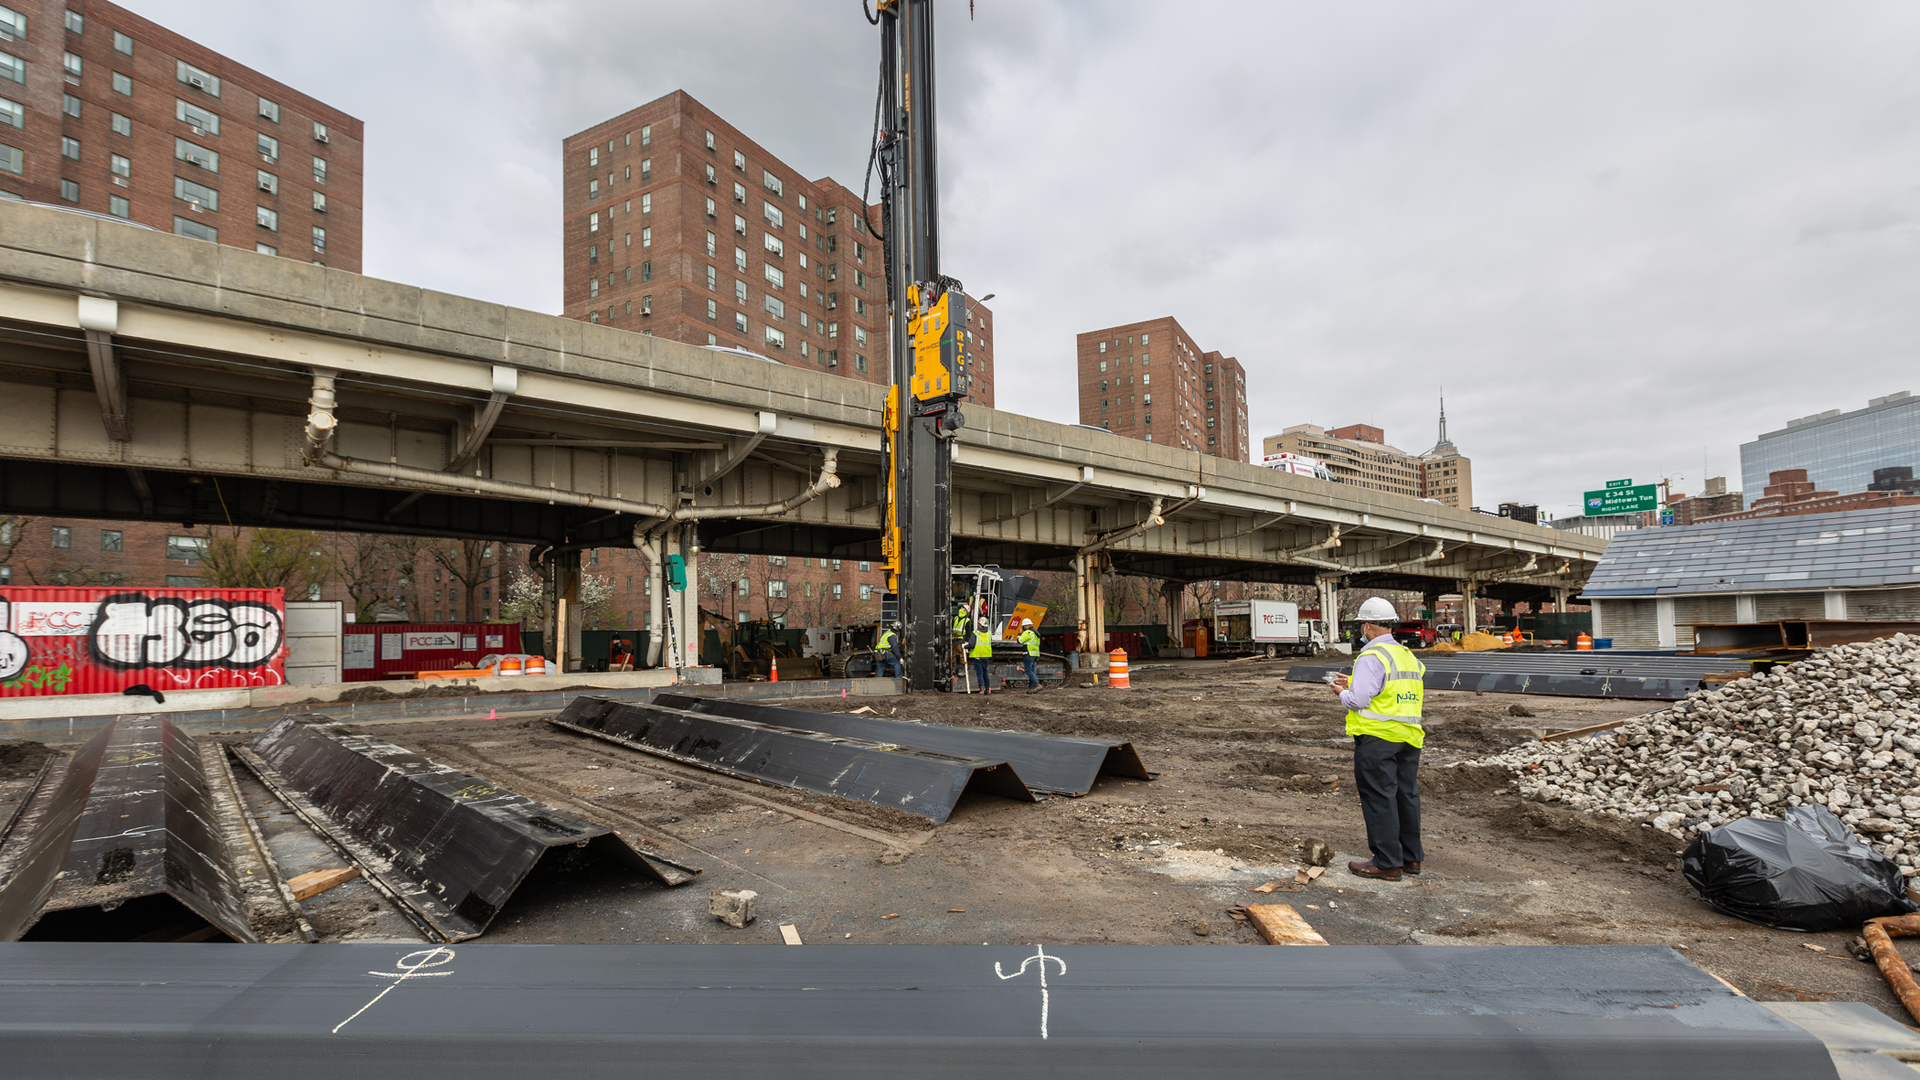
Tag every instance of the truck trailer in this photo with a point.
(1273, 627)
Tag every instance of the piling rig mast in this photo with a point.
(930, 347)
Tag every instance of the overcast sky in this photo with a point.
(1625, 237)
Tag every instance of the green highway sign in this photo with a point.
(1622, 500)
(1619, 483)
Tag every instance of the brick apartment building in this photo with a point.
(676, 224)
(104, 111)
(1716, 501)
(1359, 454)
(1203, 395)
(1789, 493)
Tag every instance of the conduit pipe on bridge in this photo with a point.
(321, 424)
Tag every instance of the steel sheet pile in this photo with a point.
(1840, 728)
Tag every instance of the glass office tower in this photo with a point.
(1838, 449)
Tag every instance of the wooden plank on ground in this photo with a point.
(315, 882)
(1281, 925)
(789, 934)
(1588, 730)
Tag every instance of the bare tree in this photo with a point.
(469, 562)
(365, 565)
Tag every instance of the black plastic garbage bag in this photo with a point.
(1809, 872)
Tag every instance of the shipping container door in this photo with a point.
(1632, 624)
(313, 643)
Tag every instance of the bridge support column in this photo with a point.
(1175, 593)
(1560, 601)
(690, 600)
(1330, 605)
(1091, 601)
(566, 588)
(652, 550)
(1469, 616)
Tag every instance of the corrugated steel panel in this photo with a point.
(929, 1012)
(375, 651)
(133, 816)
(1055, 763)
(1772, 607)
(449, 846)
(60, 640)
(1630, 623)
(921, 782)
(1699, 610)
(1884, 604)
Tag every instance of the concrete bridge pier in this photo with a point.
(1090, 595)
(1329, 585)
(1175, 594)
(1469, 616)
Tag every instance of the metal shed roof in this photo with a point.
(1848, 550)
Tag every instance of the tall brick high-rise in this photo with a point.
(1202, 395)
(102, 110)
(678, 225)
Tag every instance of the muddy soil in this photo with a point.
(1250, 767)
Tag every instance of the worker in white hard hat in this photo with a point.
(1384, 697)
(1032, 660)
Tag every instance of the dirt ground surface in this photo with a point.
(1249, 768)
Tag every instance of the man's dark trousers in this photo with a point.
(1386, 774)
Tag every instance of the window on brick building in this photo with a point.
(646, 237)
(774, 244)
(62, 536)
(593, 156)
(739, 291)
(196, 117)
(266, 219)
(319, 170)
(266, 249)
(319, 203)
(740, 259)
(122, 43)
(646, 135)
(739, 161)
(118, 206)
(269, 111)
(739, 225)
(712, 245)
(122, 125)
(740, 194)
(713, 275)
(646, 271)
(122, 84)
(713, 312)
(70, 148)
(740, 321)
(199, 196)
(269, 147)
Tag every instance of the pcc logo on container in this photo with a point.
(431, 640)
(56, 619)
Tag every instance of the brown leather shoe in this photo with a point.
(1368, 870)
(1410, 866)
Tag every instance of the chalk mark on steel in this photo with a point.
(1040, 955)
(428, 958)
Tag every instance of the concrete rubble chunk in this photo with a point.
(732, 906)
(1840, 728)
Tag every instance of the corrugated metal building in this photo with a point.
(1654, 585)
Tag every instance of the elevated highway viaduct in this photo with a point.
(145, 376)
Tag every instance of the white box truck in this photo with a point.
(1245, 627)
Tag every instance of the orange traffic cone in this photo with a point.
(776, 669)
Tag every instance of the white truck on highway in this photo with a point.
(1245, 627)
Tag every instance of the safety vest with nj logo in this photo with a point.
(1394, 713)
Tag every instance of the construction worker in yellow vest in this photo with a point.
(980, 652)
(886, 651)
(1032, 660)
(1384, 697)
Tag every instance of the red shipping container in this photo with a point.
(61, 640)
(370, 652)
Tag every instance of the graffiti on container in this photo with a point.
(133, 630)
(219, 678)
(42, 678)
(14, 651)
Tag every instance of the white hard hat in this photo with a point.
(1026, 622)
(1378, 611)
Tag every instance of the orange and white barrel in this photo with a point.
(1583, 643)
(536, 665)
(1117, 677)
(509, 667)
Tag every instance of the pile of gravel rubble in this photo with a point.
(1840, 728)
